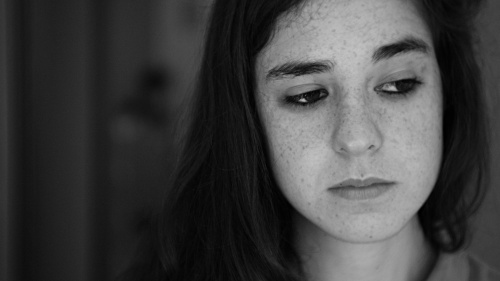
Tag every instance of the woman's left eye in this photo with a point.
(398, 87)
(307, 98)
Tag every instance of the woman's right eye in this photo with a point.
(307, 98)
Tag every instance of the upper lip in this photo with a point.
(362, 182)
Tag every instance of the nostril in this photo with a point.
(356, 133)
(357, 144)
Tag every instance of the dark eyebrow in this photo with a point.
(408, 44)
(299, 68)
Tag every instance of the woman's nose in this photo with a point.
(356, 132)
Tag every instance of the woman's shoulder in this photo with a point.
(462, 266)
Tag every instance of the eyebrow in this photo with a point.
(299, 68)
(408, 44)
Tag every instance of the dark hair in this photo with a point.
(225, 211)
(225, 218)
(464, 174)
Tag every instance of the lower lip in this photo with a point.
(363, 192)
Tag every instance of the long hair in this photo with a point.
(464, 174)
(225, 218)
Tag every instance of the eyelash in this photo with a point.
(410, 83)
(317, 95)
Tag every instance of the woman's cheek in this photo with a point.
(300, 150)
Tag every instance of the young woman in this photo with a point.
(330, 140)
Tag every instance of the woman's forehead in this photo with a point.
(321, 9)
(330, 29)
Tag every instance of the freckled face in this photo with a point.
(351, 90)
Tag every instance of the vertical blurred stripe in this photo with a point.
(57, 135)
(4, 143)
(8, 192)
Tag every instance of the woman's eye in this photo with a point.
(399, 87)
(307, 98)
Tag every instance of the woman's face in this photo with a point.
(349, 94)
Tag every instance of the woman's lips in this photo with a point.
(361, 189)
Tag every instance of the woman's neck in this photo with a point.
(404, 256)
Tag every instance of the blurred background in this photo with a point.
(90, 95)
